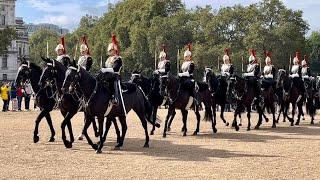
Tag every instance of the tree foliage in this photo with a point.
(6, 37)
(143, 25)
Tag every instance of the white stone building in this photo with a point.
(19, 48)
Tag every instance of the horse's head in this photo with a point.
(136, 77)
(236, 86)
(280, 77)
(72, 78)
(49, 72)
(310, 88)
(24, 72)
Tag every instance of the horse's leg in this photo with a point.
(214, 120)
(184, 120)
(124, 128)
(260, 114)
(101, 123)
(240, 124)
(249, 117)
(65, 122)
(80, 138)
(222, 114)
(145, 127)
(273, 111)
(263, 114)
(234, 123)
(300, 112)
(154, 118)
(95, 129)
(171, 119)
(108, 125)
(170, 110)
(116, 127)
(196, 111)
(49, 121)
(88, 121)
(293, 113)
(36, 128)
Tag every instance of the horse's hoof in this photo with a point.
(164, 135)
(146, 146)
(96, 134)
(284, 121)
(151, 133)
(277, 121)
(169, 129)
(312, 123)
(116, 148)
(80, 138)
(267, 120)
(195, 133)
(36, 139)
(157, 125)
(292, 124)
(256, 127)
(51, 139)
(95, 146)
(237, 128)
(184, 134)
(240, 124)
(67, 144)
(273, 126)
(182, 129)
(215, 130)
(227, 124)
(297, 124)
(98, 151)
(118, 140)
(303, 119)
(248, 129)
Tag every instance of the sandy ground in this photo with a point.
(281, 153)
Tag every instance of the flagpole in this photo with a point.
(241, 64)
(75, 52)
(290, 63)
(155, 58)
(101, 63)
(218, 64)
(47, 49)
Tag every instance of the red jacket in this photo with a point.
(19, 92)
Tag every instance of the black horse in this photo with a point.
(44, 97)
(98, 95)
(69, 103)
(218, 88)
(311, 93)
(290, 96)
(151, 88)
(179, 98)
(244, 94)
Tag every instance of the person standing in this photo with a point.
(5, 96)
(13, 97)
(19, 96)
(27, 95)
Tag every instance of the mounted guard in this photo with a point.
(296, 75)
(186, 77)
(85, 60)
(164, 63)
(269, 72)
(305, 70)
(227, 68)
(62, 56)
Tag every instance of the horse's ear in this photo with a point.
(74, 64)
(139, 71)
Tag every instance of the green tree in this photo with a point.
(6, 37)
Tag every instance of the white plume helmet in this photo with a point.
(188, 51)
(226, 58)
(111, 46)
(59, 47)
(162, 55)
(83, 47)
(268, 60)
(304, 62)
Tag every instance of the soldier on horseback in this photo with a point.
(252, 74)
(85, 60)
(114, 65)
(227, 67)
(305, 70)
(297, 76)
(268, 73)
(186, 77)
(62, 56)
(164, 63)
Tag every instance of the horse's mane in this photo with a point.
(36, 67)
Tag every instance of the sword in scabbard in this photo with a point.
(121, 97)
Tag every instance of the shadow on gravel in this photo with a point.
(166, 150)
(312, 130)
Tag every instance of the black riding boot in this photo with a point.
(116, 95)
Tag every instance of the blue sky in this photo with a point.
(67, 13)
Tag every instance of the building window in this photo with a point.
(2, 20)
(4, 62)
(2, 8)
(4, 77)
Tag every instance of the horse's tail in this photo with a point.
(148, 110)
(207, 113)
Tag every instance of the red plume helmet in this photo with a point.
(84, 41)
(306, 57)
(115, 42)
(63, 44)
(163, 48)
(298, 55)
(268, 54)
(189, 47)
(252, 52)
(227, 51)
